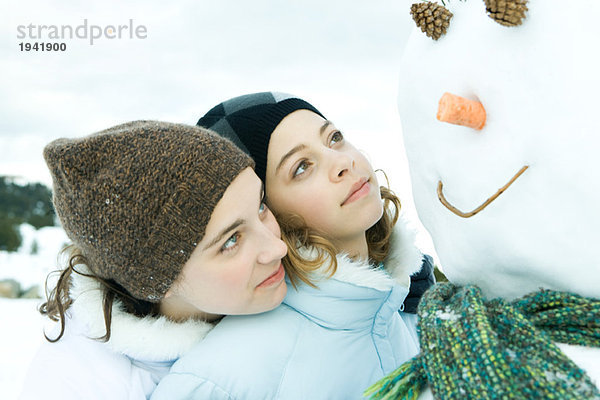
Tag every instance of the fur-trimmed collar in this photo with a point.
(147, 339)
(403, 260)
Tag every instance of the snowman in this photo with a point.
(500, 110)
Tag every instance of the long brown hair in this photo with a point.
(59, 299)
(299, 237)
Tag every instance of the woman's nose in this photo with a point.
(341, 164)
(273, 248)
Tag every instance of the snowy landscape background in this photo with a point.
(22, 326)
(341, 57)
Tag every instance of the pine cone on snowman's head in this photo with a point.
(432, 18)
(506, 12)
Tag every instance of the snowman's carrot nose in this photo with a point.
(460, 111)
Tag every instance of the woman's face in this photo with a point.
(236, 268)
(313, 172)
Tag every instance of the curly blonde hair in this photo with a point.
(297, 236)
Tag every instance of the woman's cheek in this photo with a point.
(318, 216)
(311, 204)
(307, 201)
(229, 273)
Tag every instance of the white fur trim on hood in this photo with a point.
(403, 260)
(149, 338)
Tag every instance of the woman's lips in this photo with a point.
(357, 191)
(274, 278)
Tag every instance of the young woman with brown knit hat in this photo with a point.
(169, 234)
(349, 264)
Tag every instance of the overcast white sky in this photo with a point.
(341, 56)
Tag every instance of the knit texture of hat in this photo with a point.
(136, 198)
(249, 121)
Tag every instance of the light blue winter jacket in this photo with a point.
(326, 343)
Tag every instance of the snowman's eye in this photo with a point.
(506, 12)
(432, 18)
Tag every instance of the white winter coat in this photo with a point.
(128, 366)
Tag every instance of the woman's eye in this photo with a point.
(262, 208)
(302, 167)
(336, 137)
(231, 242)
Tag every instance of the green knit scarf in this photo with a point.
(472, 348)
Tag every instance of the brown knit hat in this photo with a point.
(136, 198)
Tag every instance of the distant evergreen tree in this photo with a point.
(34, 248)
(30, 203)
(10, 237)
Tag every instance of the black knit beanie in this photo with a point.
(136, 198)
(249, 121)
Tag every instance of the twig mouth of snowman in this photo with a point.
(486, 203)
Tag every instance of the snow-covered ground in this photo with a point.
(21, 326)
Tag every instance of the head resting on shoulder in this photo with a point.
(140, 200)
